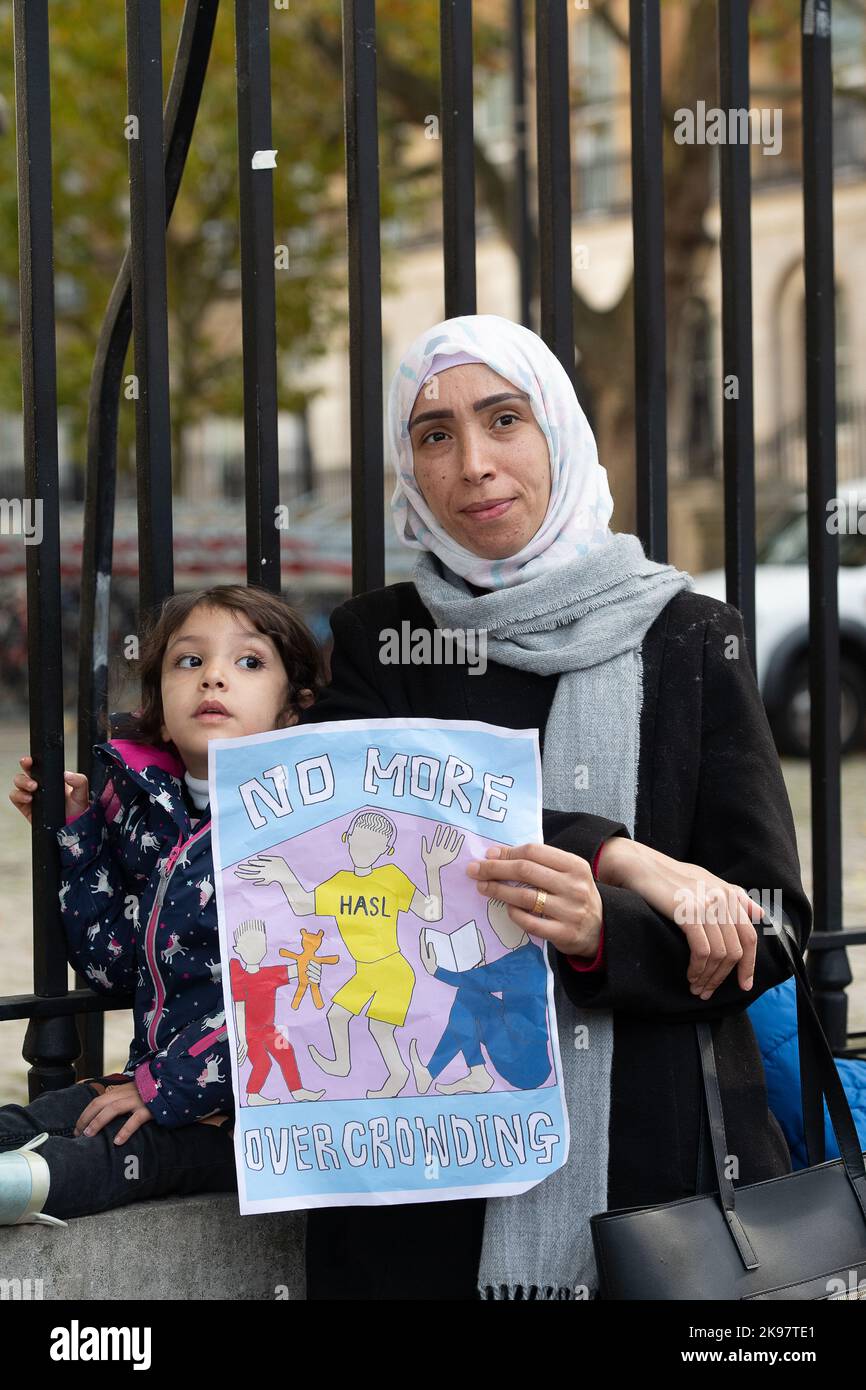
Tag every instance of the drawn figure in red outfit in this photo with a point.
(254, 988)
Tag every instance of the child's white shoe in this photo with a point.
(24, 1181)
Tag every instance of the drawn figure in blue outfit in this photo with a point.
(512, 1030)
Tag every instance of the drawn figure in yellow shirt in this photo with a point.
(365, 902)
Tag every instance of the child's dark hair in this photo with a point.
(270, 613)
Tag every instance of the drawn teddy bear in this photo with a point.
(310, 943)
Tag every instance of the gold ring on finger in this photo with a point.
(540, 899)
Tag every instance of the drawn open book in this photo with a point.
(457, 950)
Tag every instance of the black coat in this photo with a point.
(710, 791)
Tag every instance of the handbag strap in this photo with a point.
(811, 1088)
(819, 1078)
(713, 1098)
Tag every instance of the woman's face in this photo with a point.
(481, 459)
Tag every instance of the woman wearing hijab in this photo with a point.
(660, 779)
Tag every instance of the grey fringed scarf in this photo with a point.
(586, 619)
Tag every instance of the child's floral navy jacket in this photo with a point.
(139, 910)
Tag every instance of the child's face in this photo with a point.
(218, 655)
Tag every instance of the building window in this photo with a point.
(844, 393)
(601, 161)
(696, 355)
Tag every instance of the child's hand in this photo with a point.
(77, 794)
(121, 1099)
(77, 791)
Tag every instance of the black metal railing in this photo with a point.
(137, 304)
(782, 456)
(831, 972)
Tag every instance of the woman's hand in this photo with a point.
(75, 785)
(715, 916)
(572, 914)
(117, 1100)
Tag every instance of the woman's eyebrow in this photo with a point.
(443, 414)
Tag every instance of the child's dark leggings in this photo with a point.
(91, 1173)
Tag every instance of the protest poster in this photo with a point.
(392, 1030)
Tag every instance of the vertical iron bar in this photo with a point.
(458, 156)
(50, 1044)
(522, 235)
(258, 295)
(554, 180)
(149, 305)
(738, 424)
(365, 296)
(191, 60)
(831, 971)
(648, 231)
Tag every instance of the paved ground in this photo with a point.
(16, 899)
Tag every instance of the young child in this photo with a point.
(139, 912)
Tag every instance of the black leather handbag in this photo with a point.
(799, 1236)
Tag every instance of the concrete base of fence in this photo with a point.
(176, 1248)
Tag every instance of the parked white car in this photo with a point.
(782, 621)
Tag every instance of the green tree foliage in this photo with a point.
(91, 225)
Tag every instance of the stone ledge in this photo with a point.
(196, 1247)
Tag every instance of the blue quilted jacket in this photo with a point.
(139, 910)
(774, 1019)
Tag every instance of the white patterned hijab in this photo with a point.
(580, 503)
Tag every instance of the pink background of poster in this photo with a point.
(315, 856)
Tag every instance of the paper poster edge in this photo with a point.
(397, 1198)
(410, 1197)
(398, 722)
